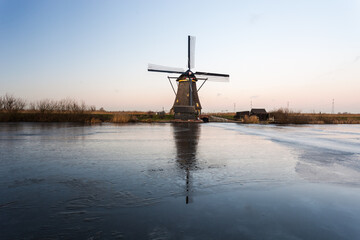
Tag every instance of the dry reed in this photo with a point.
(251, 119)
(122, 118)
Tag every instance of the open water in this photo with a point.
(179, 181)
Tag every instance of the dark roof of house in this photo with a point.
(243, 112)
(258, 111)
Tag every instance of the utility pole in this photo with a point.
(333, 106)
(234, 107)
(250, 104)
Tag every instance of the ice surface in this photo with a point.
(200, 181)
(337, 138)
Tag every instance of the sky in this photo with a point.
(296, 54)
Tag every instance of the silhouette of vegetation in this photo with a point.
(14, 109)
(11, 104)
(285, 116)
(62, 106)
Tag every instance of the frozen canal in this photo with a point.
(179, 181)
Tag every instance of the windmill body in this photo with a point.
(187, 104)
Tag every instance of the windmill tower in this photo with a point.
(187, 104)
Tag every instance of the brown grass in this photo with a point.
(251, 119)
(283, 116)
(122, 118)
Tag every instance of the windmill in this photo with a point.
(187, 104)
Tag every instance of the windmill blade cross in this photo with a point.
(187, 104)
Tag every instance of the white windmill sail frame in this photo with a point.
(191, 43)
(156, 67)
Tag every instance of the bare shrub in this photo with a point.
(9, 103)
(284, 116)
(62, 105)
(1, 103)
(281, 115)
(66, 105)
(13, 104)
(46, 105)
(32, 106)
(82, 107)
(92, 108)
(71, 106)
(74, 106)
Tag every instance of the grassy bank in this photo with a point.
(132, 117)
(28, 116)
(288, 117)
(84, 117)
(15, 109)
(282, 116)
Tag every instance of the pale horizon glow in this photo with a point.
(278, 53)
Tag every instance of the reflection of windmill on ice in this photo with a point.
(187, 103)
(186, 136)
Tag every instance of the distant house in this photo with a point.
(260, 113)
(241, 115)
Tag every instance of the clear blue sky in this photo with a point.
(302, 52)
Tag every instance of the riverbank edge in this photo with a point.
(123, 117)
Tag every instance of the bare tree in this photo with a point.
(74, 106)
(62, 105)
(20, 104)
(65, 105)
(92, 108)
(13, 104)
(10, 103)
(46, 105)
(32, 106)
(1, 103)
(82, 107)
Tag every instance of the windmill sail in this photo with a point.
(191, 52)
(215, 77)
(165, 69)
